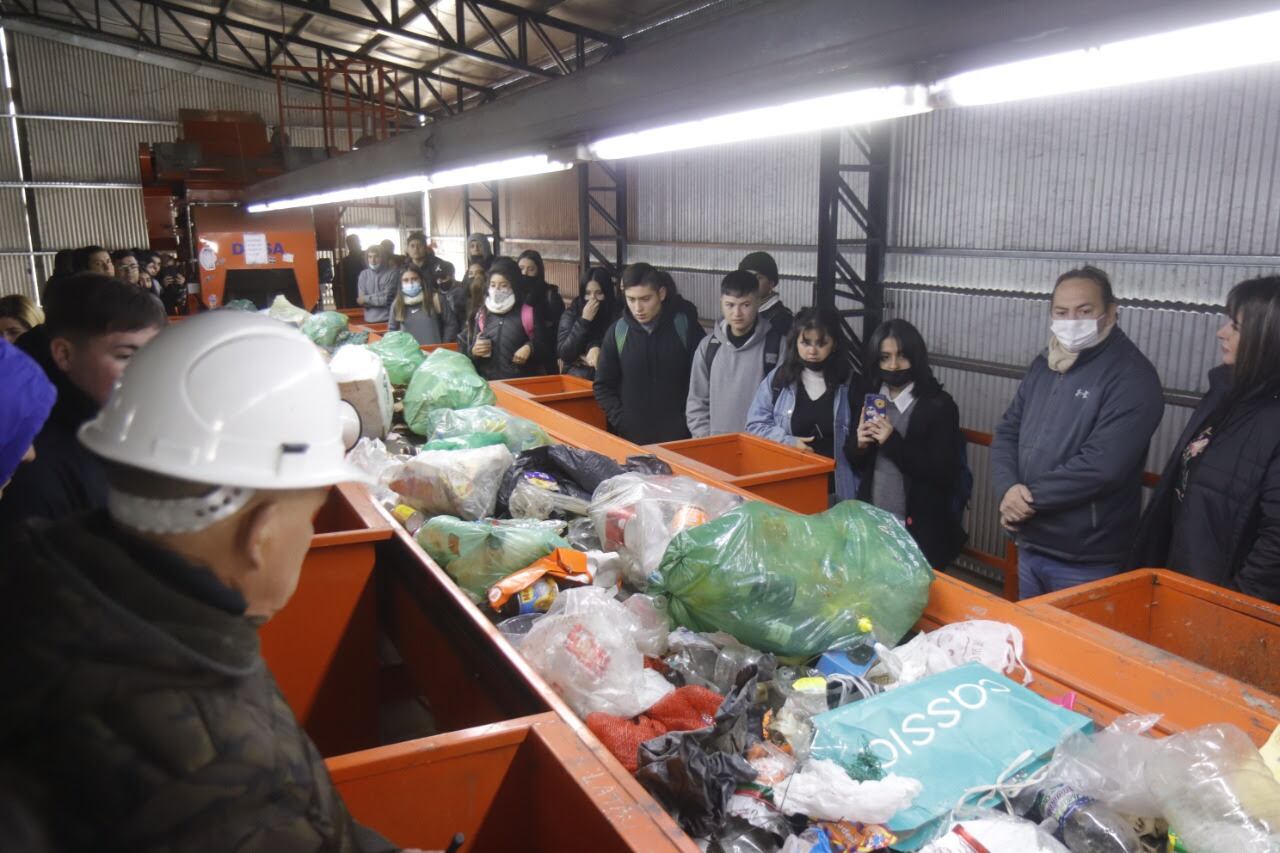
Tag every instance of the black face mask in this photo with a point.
(817, 366)
(896, 378)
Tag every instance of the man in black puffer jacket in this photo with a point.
(642, 379)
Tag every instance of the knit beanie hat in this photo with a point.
(29, 397)
(762, 263)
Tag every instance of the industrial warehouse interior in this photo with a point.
(817, 426)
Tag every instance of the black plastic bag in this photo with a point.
(693, 774)
(576, 472)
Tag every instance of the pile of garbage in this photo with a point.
(757, 670)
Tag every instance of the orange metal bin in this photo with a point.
(1111, 674)
(527, 784)
(1224, 631)
(322, 647)
(784, 475)
(562, 393)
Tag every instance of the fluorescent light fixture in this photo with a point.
(1253, 40)
(858, 107)
(497, 170)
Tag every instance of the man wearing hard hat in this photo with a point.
(137, 712)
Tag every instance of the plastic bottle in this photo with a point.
(1084, 825)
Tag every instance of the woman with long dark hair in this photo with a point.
(804, 402)
(1216, 513)
(583, 325)
(417, 308)
(545, 296)
(908, 450)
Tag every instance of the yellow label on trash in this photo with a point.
(810, 684)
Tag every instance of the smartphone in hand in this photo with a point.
(873, 406)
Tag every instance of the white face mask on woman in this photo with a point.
(1077, 335)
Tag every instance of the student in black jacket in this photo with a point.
(765, 269)
(1216, 513)
(545, 295)
(642, 380)
(93, 326)
(908, 458)
(503, 338)
(583, 325)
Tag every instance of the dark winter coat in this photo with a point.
(547, 299)
(576, 336)
(1226, 529)
(453, 312)
(643, 390)
(138, 713)
(1078, 441)
(507, 331)
(929, 458)
(781, 320)
(65, 478)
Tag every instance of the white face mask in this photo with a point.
(1077, 335)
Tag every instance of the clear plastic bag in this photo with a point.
(478, 554)
(324, 328)
(585, 648)
(400, 355)
(637, 515)
(444, 380)
(532, 501)
(518, 433)
(1109, 765)
(452, 482)
(1216, 791)
(796, 584)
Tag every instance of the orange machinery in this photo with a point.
(192, 190)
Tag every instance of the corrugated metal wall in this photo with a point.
(58, 79)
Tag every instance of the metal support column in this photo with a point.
(853, 202)
(602, 216)
(484, 207)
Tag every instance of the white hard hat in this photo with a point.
(227, 398)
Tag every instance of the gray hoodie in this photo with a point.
(719, 397)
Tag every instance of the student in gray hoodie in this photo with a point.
(730, 363)
(1066, 460)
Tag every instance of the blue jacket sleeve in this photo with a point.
(1115, 449)
(1004, 445)
(760, 417)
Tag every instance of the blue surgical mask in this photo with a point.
(413, 289)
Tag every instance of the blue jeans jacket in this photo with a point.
(771, 419)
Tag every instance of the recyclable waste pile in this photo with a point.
(757, 670)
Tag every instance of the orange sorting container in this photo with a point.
(527, 784)
(430, 348)
(784, 475)
(322, 647)
(1224, 631)
(571, 395)
(1111, 673)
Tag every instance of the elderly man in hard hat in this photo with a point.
(137, 712)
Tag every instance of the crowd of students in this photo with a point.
(1067, 457)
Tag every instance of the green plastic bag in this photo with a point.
(478, 554)
(324, 328)
(466, 442)
(286, 312)
(241, 305)
(796, 584)
(445, 380)
(519, 434)
(346, 336)
(400, 355)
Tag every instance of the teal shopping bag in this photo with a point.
(952, 731)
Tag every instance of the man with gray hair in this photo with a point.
(138, 713)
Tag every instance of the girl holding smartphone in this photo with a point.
(907, 448)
